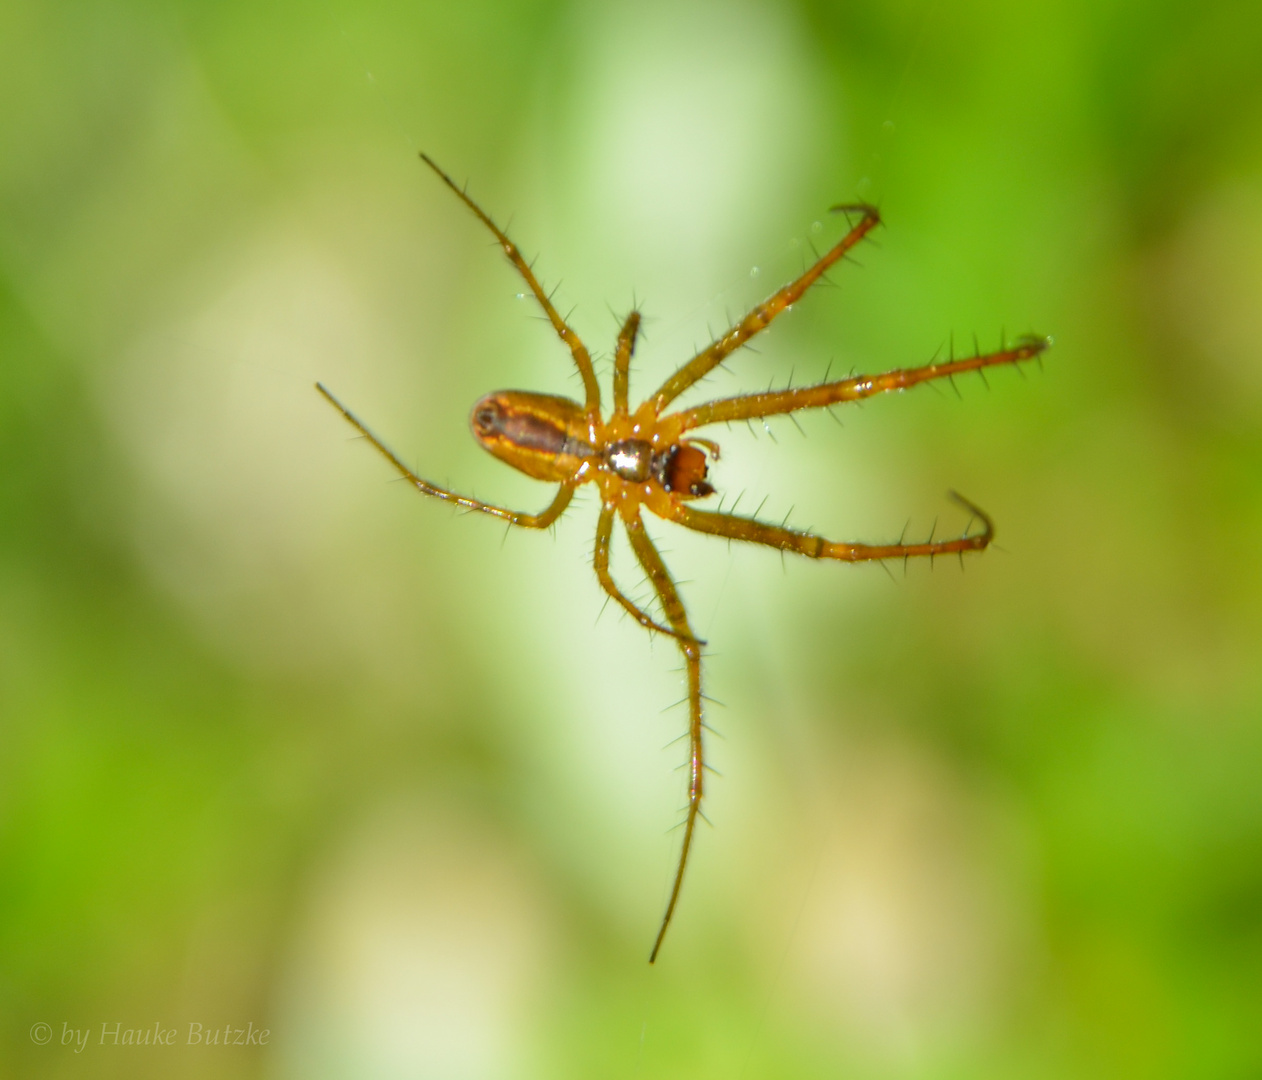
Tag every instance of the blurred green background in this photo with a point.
(285, 745)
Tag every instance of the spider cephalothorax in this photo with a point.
(647, 459)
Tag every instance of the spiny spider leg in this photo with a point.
(513, 517)
(622, 362)
(604, 530)
(691, 648)
(760, 317)
(582, 359)
(816, 547)
(773, 402)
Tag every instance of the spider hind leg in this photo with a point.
(514, 517)
(582, 359)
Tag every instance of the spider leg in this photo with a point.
(513, 517)
(760, 317)
(582, 359)
(816, 547)
(622, 362)
(657, 573)
(604, 530)
(773, 402)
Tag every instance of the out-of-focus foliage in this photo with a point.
(285, 747)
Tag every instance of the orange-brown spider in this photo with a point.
(647, 458)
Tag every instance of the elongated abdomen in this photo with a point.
(542, 435)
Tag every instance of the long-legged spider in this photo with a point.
(648, 459)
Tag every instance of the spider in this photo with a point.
(650, 460)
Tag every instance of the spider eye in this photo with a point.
(486, 419)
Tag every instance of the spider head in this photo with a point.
(683, 469)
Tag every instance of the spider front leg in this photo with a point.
(527, 521)
(760, 318)
(604, 530)
(816, 547)
(779, 402)
(657, 573)
(582, 359)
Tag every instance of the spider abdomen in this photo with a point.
(542, 435)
